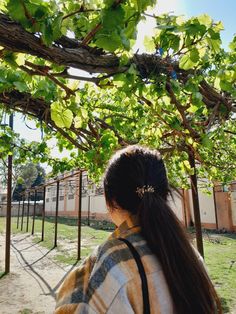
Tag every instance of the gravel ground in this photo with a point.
(33, 280)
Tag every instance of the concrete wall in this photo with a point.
(221, 204)
(176, 205)
(15, 207)
(207, 208)
(233, 208)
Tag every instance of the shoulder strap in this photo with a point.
(146, 304)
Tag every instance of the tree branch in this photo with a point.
(181, 110)
(14, 38)
(80, 10)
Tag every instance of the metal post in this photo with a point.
(18, 214)
(88, 210)
(183, 207)
(56, 215)
(79, 216)
(35, 199)
(8, 213)
(23, 212)
(43, 212)
(28, 207)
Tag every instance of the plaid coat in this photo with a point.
(109, 282)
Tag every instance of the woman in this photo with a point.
(173, 278)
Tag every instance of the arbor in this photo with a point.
(178, 97)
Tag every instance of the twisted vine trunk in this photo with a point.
(196, 207)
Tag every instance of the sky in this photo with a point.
(219, 10)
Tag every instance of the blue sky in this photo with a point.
(224, 11)
(217, 9)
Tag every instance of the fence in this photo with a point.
(75, 196)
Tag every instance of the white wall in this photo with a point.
(207, 206)
(233, 206)
(97, 204)
(176, 206)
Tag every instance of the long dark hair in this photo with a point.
(135, 167)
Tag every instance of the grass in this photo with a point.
(2, 274)
(220, 258)
(66, 251)
(26, 311)
(220, 250)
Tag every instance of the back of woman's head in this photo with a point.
(130, 170)
(136, 181)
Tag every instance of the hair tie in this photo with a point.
(144, 189)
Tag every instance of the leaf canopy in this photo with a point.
(179, 97)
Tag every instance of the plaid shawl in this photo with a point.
(109, 282)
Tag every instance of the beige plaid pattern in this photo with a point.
(109, 282)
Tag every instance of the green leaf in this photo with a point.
(21, 86)
(149, 44)
(214, 44)
(219, 26)
(84, 113)
(113, 18)
(194, 55)
(16, 12)
(61, 116)
(205, 19)
(47, 32)
(109, 42)
(119, 79)
(192, 109)
(142, 5)
(186, 63)
(78, 122)
(56, 26)
(232, 44)
(207, 142)
(81, 118)
(40, 12)
(214, 41)
(20, 59)
(10, 58)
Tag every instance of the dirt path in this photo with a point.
(34, 279)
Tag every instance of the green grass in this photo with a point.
(26, 311)
(220, 258)
(66, 250)
(220, 250)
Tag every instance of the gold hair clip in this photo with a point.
(144, 189)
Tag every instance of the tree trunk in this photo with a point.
(196, 207)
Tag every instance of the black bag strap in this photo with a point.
(146, 304)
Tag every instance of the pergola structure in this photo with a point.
(75, 178)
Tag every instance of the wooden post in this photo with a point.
(8, 214)
(56, 216)
(43, 213)
(18, 215)
(28, 208)
(196, 207)
(79, 216)
(35, 199)
(23, 213)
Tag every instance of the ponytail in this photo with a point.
(188, 282)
